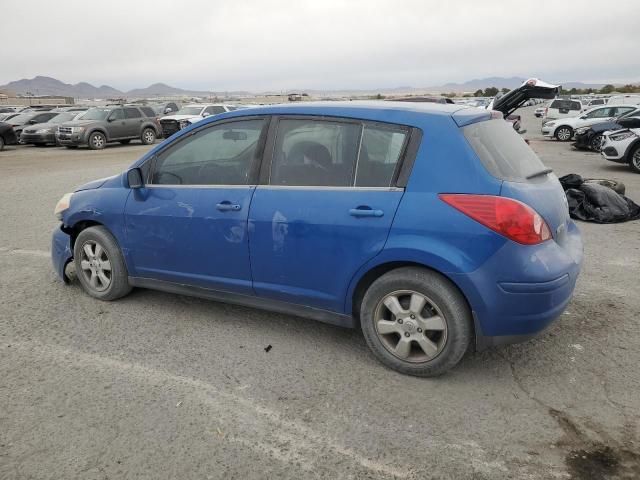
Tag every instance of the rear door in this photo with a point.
(324, 207)
(133, 121)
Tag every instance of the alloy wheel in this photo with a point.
(596, 143)
(149, 137)
(97, 141)
(564, 134)
(95, 265)
(410, 326)
(635, 159)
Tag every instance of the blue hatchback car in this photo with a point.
(432, 227)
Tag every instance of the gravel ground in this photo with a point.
(162, 386)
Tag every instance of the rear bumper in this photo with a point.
(61, 252)
(543, 277)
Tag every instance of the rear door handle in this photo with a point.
(365, 212)
(227, 206)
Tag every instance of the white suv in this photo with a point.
(189, 114)
(563, 128)
(622, 146)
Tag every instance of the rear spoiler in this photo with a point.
(532, 88)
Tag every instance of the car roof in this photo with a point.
(407, 113)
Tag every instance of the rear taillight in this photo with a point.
(507, 216)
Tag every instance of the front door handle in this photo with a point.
(365, 212)
(227, 206)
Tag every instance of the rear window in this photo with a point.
(565, 105)
(502, 151)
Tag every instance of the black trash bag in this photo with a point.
(592, 202)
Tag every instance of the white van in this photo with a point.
(561, 108)
(630, 99)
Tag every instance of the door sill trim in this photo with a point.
(324, 316)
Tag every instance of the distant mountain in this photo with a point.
(41, 85)
(50, 86)
(502, 82)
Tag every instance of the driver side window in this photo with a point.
(117, 114)
(219, 155)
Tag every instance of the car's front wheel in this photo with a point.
(634, 159)
(416, 321)
(1, 144)
(97, 141)
(100, 265)
(564, 133)
(148, 136)
(596, 142)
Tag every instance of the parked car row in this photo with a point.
(98, 126)
(609, 128)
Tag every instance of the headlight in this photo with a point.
(184, 123)
(621, 136)
(580, 131)
(549, 124)
(44, 130)
(77, 129)
(62, 205)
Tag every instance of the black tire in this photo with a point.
(97, 141)
(634, 159)
(442, 298)
(595, 143)
(148, 136)
(118, 285)
(1, 144)
(125, 142)
(563, 133)
(614, 185)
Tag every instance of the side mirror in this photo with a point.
(168, 110)
(110, 119)
(134, 178)
(205, 114)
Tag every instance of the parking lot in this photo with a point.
(164, 386)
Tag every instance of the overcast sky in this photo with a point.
(318, 44)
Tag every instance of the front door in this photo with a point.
(325, 210)
(133, 122)
(116, 125)
(188, 225)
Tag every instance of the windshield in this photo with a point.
(189, 111)
(63, 117)
(96, 114)
(22, 118)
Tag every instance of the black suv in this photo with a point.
(101, 125)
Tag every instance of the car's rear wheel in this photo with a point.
(564, 133)
(125, 142)
(97, 141)
(100, 265)
(634, 159)
(416, 321)
(148, 136)
(596, 142)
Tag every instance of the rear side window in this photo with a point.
(565, 105)
(214, 110)
(148, 111)
(502, 151)
(380, 151)
(132, 112)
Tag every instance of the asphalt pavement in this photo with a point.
(162, 386)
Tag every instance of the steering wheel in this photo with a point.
(177, 177)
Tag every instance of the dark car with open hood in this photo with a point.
(590, 137)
